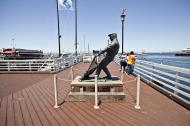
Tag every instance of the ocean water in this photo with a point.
(167, 58)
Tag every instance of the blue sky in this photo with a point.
(150, 25)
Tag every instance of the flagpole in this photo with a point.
(76, 27)
(59, 36)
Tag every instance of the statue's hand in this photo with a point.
(96, 55)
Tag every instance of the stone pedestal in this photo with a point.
(108, 90)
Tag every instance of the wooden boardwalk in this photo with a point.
(33, 105)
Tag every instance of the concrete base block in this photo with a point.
(109, 90)
(103, 96)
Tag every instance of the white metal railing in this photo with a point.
(39, 64)
(174, 80)
(171, 79)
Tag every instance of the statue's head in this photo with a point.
(112, 36)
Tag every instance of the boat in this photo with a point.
(13, 53)
(183, 52)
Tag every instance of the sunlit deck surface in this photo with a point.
(32, 99)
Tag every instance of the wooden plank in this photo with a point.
(87, 118)
(126, 114)
(48, 105)
(93, 114)
(10, 112)
(127, 109)
(18, 114)
(63, 90)
(45, 110)
(50, 99)
(41, 115)
(34, 116)
(114, 116)
(72, 116)
(50, 94)
(105, 116)
(133, 114)
(26, 115)
(3, 111)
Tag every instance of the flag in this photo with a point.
(65, 4)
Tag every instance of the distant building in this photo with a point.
(9, 53)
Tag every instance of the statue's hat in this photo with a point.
(113, 35)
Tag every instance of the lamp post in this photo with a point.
(58, 29)
(76, 27)
(122, 21)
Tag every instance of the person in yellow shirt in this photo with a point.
(130, 62)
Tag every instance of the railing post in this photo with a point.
(54, 65)
(176, 80)
(138, 93)
(29, 65)
(55, 91)
(151, 73)
(72, 77)
(59, 64)
(8, 64)
(122, 70)
(96, 93)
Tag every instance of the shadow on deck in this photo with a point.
(33, 105)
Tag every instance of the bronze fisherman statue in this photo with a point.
(111, 51)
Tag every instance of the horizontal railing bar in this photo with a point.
(25, 66)
(169, 92)
(164, 73)
(182, 70)
(1, 63)
(168, 80)
(163, 60)
(178, 75)
(163, 83)
(21, 70)
(38, 65)
(31, 60)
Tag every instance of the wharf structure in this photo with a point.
(14, 53)
(183, 52)
(28, 99)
